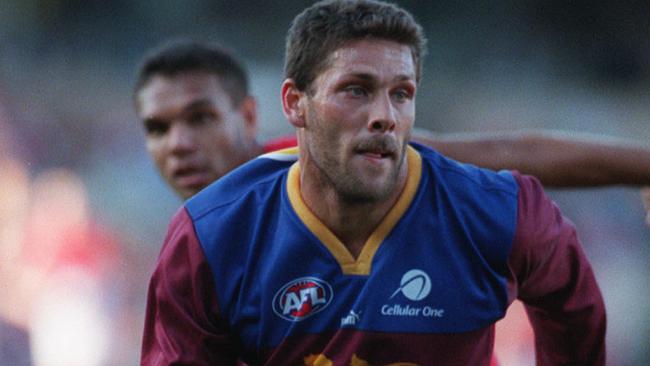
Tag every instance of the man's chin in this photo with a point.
(373, 182)
(191, 185)
(369, 188)
(186, 192)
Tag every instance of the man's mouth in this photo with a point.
(377, 149)
(191, 177)
(375, 154)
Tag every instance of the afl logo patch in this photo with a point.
(302, 298)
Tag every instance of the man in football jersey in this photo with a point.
(357, 247)
(201, 122)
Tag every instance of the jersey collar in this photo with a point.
(361, 265)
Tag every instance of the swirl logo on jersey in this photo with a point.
(415, 285)
(302, 298)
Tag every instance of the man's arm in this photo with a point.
(556, 159)
(182, 324)
(551, 275)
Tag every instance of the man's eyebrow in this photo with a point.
(150, 119)
(405, 77)
(199, 103)
(361, 75)
(371, 77)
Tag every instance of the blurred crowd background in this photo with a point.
(83, 212)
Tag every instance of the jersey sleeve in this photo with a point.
(551, 275)
(182, 324)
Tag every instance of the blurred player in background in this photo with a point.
(62, 272)
(15, 348)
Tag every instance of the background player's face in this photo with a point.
(359, 118)
(193, 132)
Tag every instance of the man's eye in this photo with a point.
(199, 118)
(356, 91)
(402, 95)
(156, 128)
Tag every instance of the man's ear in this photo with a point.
(292, 103)
(248, 110)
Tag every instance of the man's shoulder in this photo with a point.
(457, 174)
(256, 178)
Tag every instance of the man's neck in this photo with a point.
(351, 222)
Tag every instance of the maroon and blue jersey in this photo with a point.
(248, 272)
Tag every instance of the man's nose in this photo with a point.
(382, 116)
(181, 138)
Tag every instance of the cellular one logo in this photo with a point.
(415, 285)
(302, 298)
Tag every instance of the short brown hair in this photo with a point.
(327, 25)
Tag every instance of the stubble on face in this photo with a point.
(358, 116)
(335, 168)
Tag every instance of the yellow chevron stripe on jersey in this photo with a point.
(360, 266)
